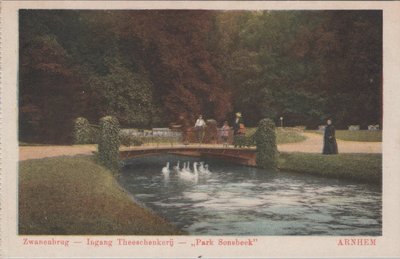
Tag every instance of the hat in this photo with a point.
(239, 114)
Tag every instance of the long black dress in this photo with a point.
(330, 145)
(236, 125)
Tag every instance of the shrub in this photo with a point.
(125, 139)
(108, 147)
(239, 140)
(265, 138)
(128, 140)
(82, 131)
(244, 140)
(136, 141)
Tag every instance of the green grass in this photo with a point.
(283, 136)
(360, 167)
(25, 144)
(76, 196)
(358, 135)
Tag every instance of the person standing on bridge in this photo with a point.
(199, 127)
(330, 144)
(225, 134)
(239, 130)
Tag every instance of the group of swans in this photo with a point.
(186, 173)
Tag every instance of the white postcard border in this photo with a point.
(266, 246)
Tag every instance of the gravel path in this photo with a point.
(313, 144)
(36, 152)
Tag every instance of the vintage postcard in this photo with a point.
(200, 129)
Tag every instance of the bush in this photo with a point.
(108, 147)
(125, 139)
(267, 152)
(243, 140)
(128, 140)
(82, 131)
(137, 141)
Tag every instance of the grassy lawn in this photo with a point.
(25, 144)
(283, 136)
(76, 196)
(357, 135)
(360, 167)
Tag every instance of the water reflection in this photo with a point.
(238, 200)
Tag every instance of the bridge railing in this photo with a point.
(171, 137)
(208, 136)
(154, 137)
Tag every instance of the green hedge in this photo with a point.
(108, 146)
(84, 132)
(265, 138)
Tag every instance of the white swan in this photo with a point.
(195, 168)
(186, 175)
(177, 168)
(203, 169)
(184, 167)
(165, 169)
(188, 167)
(206, 170)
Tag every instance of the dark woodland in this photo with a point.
(152, 68)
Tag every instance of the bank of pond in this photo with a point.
(76, 196)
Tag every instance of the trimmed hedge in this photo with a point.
(108, 147)
(82, 131)
(267, 151)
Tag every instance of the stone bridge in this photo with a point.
(244, 156)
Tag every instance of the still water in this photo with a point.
(239, 200)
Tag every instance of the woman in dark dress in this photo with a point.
(330, 145)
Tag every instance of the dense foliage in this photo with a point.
(128, 140)
(82, 131)
(267, 151)
(304, 65)
(109, 142)
(152, 67)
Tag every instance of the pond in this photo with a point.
(239, 200)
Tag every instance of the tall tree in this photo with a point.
(180, 64)
(300, 65)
